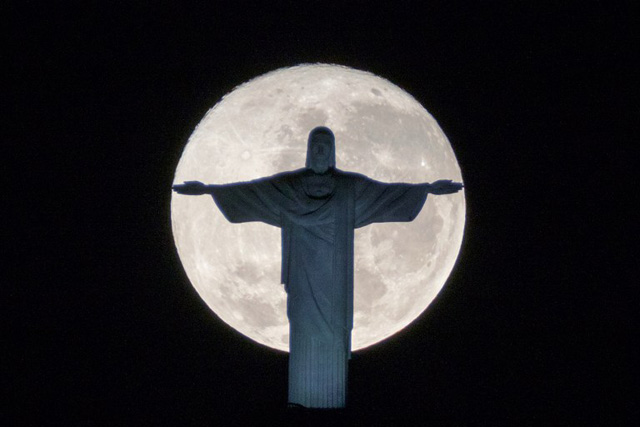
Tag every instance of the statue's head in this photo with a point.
(321, 150)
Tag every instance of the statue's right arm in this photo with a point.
(192, 188)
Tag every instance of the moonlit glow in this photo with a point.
(260, 129)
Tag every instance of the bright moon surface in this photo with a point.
(260, 129)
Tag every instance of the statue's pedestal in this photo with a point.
(317, 373)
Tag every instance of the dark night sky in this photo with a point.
(534, 327)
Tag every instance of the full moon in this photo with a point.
(260, 129)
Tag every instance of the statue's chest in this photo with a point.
(319, 187)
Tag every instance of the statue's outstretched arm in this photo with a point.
(444, 186)
(192, 188)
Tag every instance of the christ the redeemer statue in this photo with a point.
(318, 208)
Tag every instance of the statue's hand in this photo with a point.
(190, 188)
(445, 186)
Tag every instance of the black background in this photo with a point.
(534, 327)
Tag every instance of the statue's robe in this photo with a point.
(318, 214)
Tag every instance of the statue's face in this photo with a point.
(321, 145)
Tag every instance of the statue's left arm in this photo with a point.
(394, 202)
(444, 186)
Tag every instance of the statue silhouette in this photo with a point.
(318, 208)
